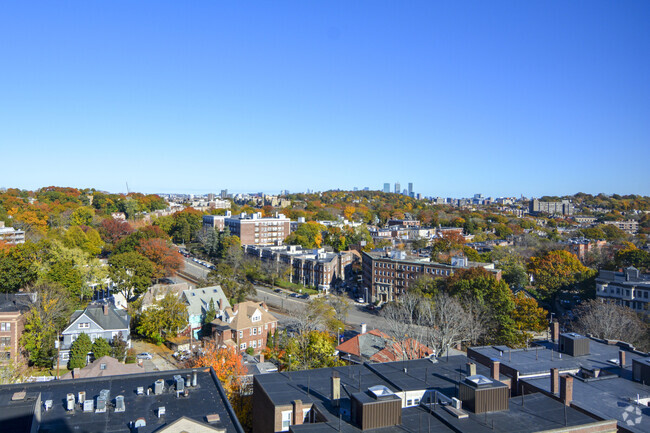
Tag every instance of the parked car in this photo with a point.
(305, 296)
(294, 295)
(278, 290)
(360, 300)
(144, 355)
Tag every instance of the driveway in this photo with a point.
(162, 356)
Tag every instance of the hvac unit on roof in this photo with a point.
(69, 402)
(89, 405)
(119, 404)
(48, 405)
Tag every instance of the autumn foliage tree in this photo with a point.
(227, 364)
(166, 259)
(556, 270)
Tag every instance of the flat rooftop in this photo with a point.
(541, 358)
(609, 397)
(205, 399)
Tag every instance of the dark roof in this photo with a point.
(609, 397)
(115, 319)
(541, 358)
(537, 412)
(15, 302)
(205, 399)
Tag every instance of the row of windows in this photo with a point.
(5, 341)
(256, 330)
(626, 292)
(254, 344)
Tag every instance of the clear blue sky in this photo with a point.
(498, 97)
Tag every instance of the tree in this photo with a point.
(18, 267)
(113, 230)
(529, 317)
(227, 364)
(211, 314)
(47, 315)
(82, 216)
(610, 321)
(309, 235)
(445, 320)
(557, 270)
(403, 326)
(165, 318)
(118, 347)
(131, 272)
(101, 348)
(79, 351)
(166, 259)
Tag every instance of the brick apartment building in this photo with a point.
(255, 230)
(629, 226)
(564, 207)
(12, 309)
(246, 325)
(216, 222)
(389, 274)
(317, 267)
(580, 247)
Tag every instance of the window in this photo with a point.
(254, 330)
(286, 420)
(254, 344)
(5, 341)
(242, 346)
(241, 334)
(65, 356)
(5, 326)
(416, 401)
(84, 325)
(102, 366)
(409, 402)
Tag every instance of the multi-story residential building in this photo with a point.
(629, 288)
(216, 222)
(403, 222)
(198, 304)
(246, 325)
(317, 267)
(255, 230)
(12, 324)
(581, 246)
(387, 187)
(629, 226)
(601, 378)
(449, 394)
(10, 235)
(171, 401)
(389, 274)
(584, 219)
(96, 320)
(565, 207)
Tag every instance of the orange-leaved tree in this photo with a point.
(227, 364)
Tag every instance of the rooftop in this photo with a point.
(205, 399)
(541, 358)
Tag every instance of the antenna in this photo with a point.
(127, 189)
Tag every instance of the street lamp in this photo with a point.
(338, 341)
(289, 362)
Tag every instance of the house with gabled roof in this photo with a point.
(198, 304)
(97, 321)
(246, 325)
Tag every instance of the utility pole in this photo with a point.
(58, 354)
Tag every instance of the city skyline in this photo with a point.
(508, 98)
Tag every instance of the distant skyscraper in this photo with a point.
(224, 193)
(355, 189)
(410, 189)
(397, 188)
(366, 188)
(387, 187)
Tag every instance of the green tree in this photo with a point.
(79, 351)
(165, 318)
(101, 348)
(82, 216)
(211, 314)
(556, 270)
(309, 235)
(131, 272)
(118, 347)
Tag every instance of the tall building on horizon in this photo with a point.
(410, 189)
(387, 187)
(397, 188)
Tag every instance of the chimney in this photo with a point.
(261, 357)
(234, 309)
(471, 369)
(105, 309)
(555, 331)
(555, 380)
(621, 359)
(297, 412)
(75, 373)
(336, 390)
(363, 328)
(566, 389)
(495, 369)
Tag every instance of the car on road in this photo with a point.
(294, 295)
(278, 290)
(144, 355)
(360, 300)
(305, 296)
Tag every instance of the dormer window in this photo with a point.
(256, 317)
(84, 325)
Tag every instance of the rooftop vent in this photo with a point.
(48, 405)
(573, 344)
(20, 395)
(481, 394)
(158, 386)
(161, 411)
(69, 402)
(139, 390)
(379, 391)
(119, 404)
(89, 406)
(81, 397)
(212, 418)
(140, 422)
